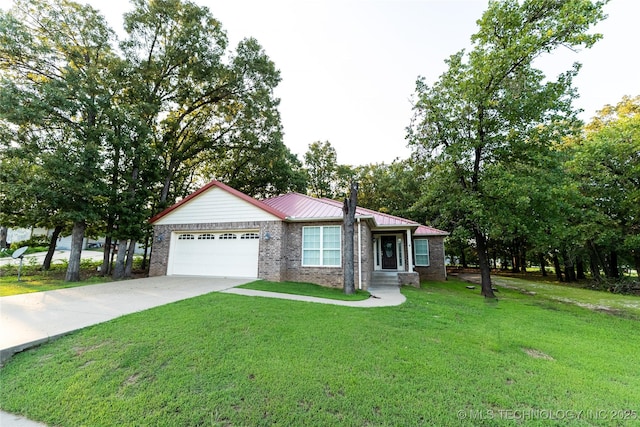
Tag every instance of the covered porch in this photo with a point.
(393, 261)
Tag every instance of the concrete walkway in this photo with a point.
(28, 320)
(386, 296)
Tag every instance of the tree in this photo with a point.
(606, 167)
(118, 135)
(492, 108)
(200, 103)
(392, 188)
(321, 164)
(53, 59)
(349, 213)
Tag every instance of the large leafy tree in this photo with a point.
(54, 56)
(392, 188)
(605, 165)
(118, 134)
(321, 164)
(492, 108)
(201, 104)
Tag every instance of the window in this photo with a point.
(206, 236)
(186, 237)
(421, 248)
(321, 246)
(228, 236)
(250, 236)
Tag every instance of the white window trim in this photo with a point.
(415, 255)
(321, 249)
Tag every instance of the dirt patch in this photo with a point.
(132, 379)
(537, 354)
(79, 351)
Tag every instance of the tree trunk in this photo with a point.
(4, 231)
(543, 264)
(523, 258)
(46, 264)
(105, 270)
(77, 239)
(349, 211)
(569, 271)
(594, 267)
(515, 257)
(147, 237)
(118, 268)
(128, 267)
(483, 259)
(613, 265)
(556, 267)
(580, 270)
(463, 259)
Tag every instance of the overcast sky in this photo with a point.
(349, 67)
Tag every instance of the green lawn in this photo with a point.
(445, 357)
(9, 285)
(596, 300)
(308, 289)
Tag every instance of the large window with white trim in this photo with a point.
(421, 250)
(321, 246)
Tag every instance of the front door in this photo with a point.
(389, 256)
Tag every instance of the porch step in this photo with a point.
(385, 278)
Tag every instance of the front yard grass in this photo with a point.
(308, 289)
(9, 285)
(445, 357)
(595, 300)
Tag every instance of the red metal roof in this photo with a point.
(425, 230)
(296, 206)
(301, 207)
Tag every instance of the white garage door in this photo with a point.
(228, 254)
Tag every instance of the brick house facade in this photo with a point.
(286, 242)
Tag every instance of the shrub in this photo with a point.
(33, 242)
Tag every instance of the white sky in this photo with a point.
(349, 67)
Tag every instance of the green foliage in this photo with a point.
(258, 361)
(605, 165)
(485, 130)
(392, 189)
(33, 243)
(321, 164)
(98, 136)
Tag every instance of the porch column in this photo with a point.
(409, 251)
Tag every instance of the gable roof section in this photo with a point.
(300, 207)
(216, 184)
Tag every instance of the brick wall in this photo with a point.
(326, 276)
(436, 269)
(280, 256)
(269, 250)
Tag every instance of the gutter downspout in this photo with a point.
(359, 255)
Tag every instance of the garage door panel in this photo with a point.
(231, 257)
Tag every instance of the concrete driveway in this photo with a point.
(31, 319)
